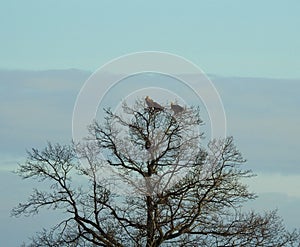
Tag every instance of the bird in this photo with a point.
(147, 144)
(152, 104)
(176, 108)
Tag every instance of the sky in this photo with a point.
(250, 51)
(232, 37)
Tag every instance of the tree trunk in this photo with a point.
(150, 222)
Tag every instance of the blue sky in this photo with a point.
(232, 37)
(250, 50)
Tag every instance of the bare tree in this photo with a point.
(144, 178)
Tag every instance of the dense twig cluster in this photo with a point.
(181, 194)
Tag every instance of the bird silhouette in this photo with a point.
(176, 108)
(147, 144)
(152, 104)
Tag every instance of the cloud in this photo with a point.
(262, 115)
(287, 206)
(264, 118)
(275, 183)
(36, 106)
(14, 190)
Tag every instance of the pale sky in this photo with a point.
(250, 50)
(230, 37)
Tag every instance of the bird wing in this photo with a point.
(156, 105)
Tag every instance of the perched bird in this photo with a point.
(147, 144)
(152, 104)
(176, 108)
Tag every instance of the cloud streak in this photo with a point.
(262, 115)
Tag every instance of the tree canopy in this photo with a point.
(145, 177)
